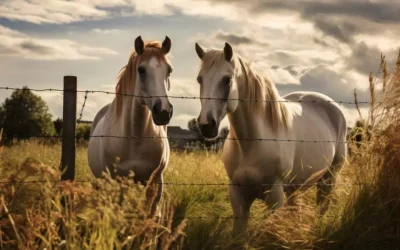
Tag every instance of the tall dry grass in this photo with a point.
(103, 214)
(371, 217)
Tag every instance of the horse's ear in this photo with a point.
(139, 45)
(199, 50)
(166, 45)
(228, 52)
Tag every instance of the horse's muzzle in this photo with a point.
(163, 117)
(209, 130)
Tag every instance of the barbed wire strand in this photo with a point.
(212, 184)
(207, 217)
(194, 138)
(188, 97)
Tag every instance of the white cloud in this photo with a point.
(50, 11)
(14, 43)
(58, 11)
(106, 31)
(384, 42)
(186, 87)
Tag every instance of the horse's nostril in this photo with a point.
(213, 122)
(154, 109)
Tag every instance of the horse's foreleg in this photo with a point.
(154, 194)
(157, 187)
(241, 209)
(274, 196)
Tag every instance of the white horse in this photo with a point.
(140, 109)
(268, 169)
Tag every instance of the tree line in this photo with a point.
(24, 115)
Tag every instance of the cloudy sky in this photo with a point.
(326, 46)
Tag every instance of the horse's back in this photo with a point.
(321, 120)
(322, 106)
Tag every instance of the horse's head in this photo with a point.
(217, 79)
(152, 72)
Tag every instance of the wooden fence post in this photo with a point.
(68, 128)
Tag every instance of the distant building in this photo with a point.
(182, 138)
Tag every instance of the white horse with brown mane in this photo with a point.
(139, 111)
(267, 169)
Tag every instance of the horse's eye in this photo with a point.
(227, 80)
(199, 79)
(142, 70)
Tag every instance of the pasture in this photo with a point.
(355, 220)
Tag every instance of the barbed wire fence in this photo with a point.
(70, 123)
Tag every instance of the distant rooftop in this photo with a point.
(176, 131)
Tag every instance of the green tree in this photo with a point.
(83, 133)
(24, 115)
(58, 126)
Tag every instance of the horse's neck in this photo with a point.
(246, 123)
(135, 119)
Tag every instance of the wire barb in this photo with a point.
(83, 107)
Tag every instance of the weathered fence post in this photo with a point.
(67, 166)
(68, 128)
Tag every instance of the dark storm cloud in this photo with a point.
(287, 58)
(234, 39)
(36, 48)
(326, 81)
(321, 42)
(342, 31)
(380, 12)
(366, 59)
(340, 19)
(292, 70)
(275, 67)
(383, 11)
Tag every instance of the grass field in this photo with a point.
(206, 207)
(361, 216)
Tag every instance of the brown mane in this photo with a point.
(257, 88)
(262, 89)
(127, 75)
